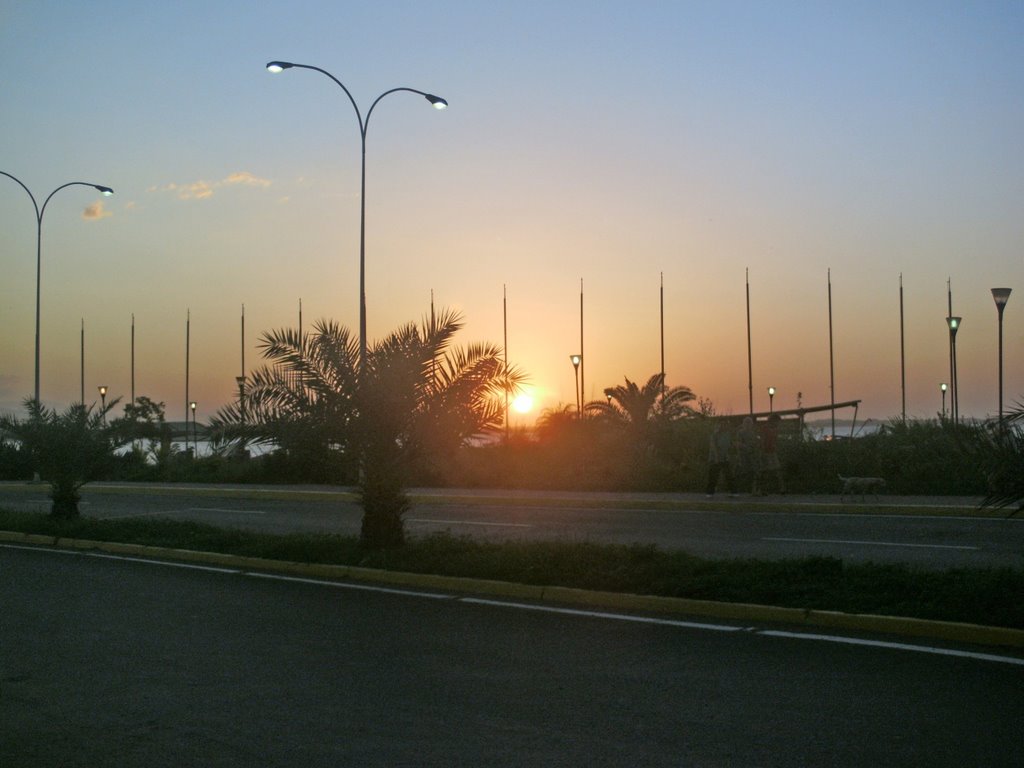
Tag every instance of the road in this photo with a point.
(741, 527)
(118, 662)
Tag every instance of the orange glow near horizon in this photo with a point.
(522, 404)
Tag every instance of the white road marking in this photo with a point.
(603, 615)
(347, 585)
(871, 543)
(894, 646)
(230, 511)
(467, 522)
(609, 616)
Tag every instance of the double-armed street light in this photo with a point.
(105, 191)
(1001, 296)
(436, 101)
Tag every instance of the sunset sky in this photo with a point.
(605, 142)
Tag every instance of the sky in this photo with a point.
(638, 150)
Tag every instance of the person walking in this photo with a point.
(746, 455)
(718, 458)
(770, 464)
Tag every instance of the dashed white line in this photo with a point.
(871, 543)
(228, 511)
(467, 522)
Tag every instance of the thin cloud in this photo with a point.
(201, 190)
(244, 177)
(96, 211)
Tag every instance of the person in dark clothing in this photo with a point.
(718, 458)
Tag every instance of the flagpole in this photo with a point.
(831, 359)
(750, 363)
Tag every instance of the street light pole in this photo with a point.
(437, 101)
(103, 402)
(105, 191)
(943, 387)
(1001, 296)
(576, 360)
(771, 399)
(954, 326)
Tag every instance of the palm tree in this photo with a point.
(416, 395)
(638, 407)
(68, 448)
(1000, 449)
(302, 400)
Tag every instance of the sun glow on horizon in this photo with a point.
(522, 404)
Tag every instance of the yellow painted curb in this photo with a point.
(742, 612)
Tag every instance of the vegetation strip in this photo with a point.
(822, 589)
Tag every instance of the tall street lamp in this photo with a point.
(576, 360)
(437, 101)
(105, 191)
(771, 399)
(1001, 296)
(954, 326)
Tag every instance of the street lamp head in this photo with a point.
(105, 191)
(576, 360)
(103, 391)
(771, 391)
(1001, 296)
(437, 101)
(954, 324)
(943, 387)
(278, 66)
(192, 405)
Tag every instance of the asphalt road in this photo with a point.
(741, 527)
(118, 662)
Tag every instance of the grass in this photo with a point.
(987, 596)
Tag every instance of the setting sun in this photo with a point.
(522, 404)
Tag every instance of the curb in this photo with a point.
(893, 625)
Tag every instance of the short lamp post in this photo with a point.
(195, 432)
(771, 399)
(1000, 296)
(103, 402)
(576, 360)
(943, 386)
(954, 326)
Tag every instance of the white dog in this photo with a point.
(861, 485)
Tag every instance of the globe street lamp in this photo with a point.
(105, 191)
(954, 326)
(103, 402)
(576, 360)
(943, 387)
(771, 399)
(195, 432)
(1001, 296)
(437, 102)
